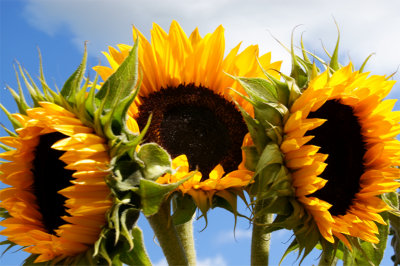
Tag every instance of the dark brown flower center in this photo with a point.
(340, 137)
(194, 121)
(50, 176)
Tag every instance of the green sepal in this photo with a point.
(392, 199)
(36, 95)
(90, 105)
(152, 194)
(270, 155)
(127, 174)
(73, 84)
(83, 259)
(295, 91)
(111, 253)
(361, 70)
(256, 130)
(334, 63)
(281, 88)
(258, 88)
(138, 256)
(4, 213)
(121, 83)
(307, 237)
(10, 246)
(9, 132)
(14, 122)
(297, 73)
(183, 208)
(294, 245)
(395, 232)
(156, 161)
(115, 96)
(19, 99)
(128, 220)
(329, 253)
(252, 157)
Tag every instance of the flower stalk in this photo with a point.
(185, 232)
(167, 236)
(260, 240)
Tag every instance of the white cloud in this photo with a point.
(162, 262)
(224, 237)
(365, 28)
(211, 261)
(215, 261)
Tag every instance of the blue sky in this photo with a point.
(59, 29)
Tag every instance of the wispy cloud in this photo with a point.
(218, 260)
(231, 236)
(366, 28)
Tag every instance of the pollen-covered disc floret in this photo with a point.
(341, 149)
(57, 197)
(186, 91)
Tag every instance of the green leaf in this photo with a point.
(183, 208)
(138, 255)
(156, 161)
(72, 85)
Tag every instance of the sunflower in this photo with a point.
(57, 199)
(339, 143)
(191, 101)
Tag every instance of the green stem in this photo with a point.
(260, 241)
(167, 236)
(328, 259)
(185, 232)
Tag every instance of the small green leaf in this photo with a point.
(156, 161)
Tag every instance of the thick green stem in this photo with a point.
(185, 232)
(167, 236)
(260, 240)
